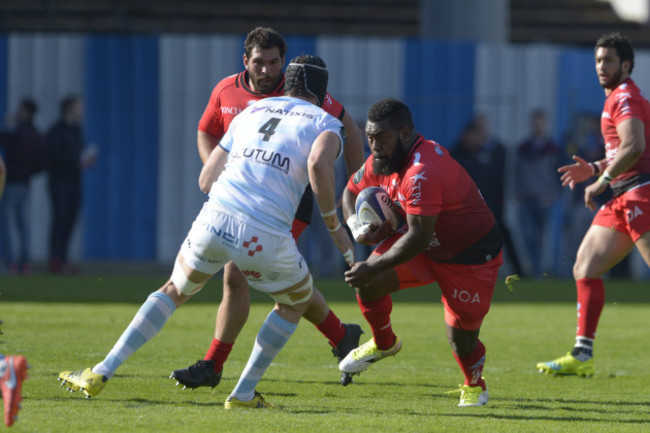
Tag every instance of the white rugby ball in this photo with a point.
(373, 205)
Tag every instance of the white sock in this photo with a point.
(146, 324)
(273, 335)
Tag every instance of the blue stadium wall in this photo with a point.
(144, 96)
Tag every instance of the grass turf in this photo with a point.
(71, 323)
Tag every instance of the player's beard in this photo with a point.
(268, 87)
(613, 81)
(394, 164)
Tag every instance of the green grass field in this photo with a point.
(71, 323)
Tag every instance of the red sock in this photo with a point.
(377, 313)
(472, 366)
(332, 329)
(591, 299)
(218, 352)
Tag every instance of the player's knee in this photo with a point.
(182, 283)
(581, 269)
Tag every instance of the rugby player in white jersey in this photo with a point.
(255, 178)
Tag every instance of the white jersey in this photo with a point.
(266, 171)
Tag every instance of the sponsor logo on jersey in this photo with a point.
(359, 174)
(434, 242)
(228, 239)
(282, 112)
(467, 297)
(416, 188)
(266, 157)
(633, 213)
(252, 275)
(253, 246)
(231, 110)
(200, 257)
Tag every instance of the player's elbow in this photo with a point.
(205, 182)
(317, 167)
(638, 148)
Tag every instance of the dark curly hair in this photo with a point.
(397, 113)
(619, 42)
(264, 38)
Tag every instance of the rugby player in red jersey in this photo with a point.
(624, 221)
(263, 77)
(450, 237)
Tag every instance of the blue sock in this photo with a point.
(273, 335)
(146, 324)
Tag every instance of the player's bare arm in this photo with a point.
(212, 168)
(205, 143)
(631, 133)
(415, 240)
(353, 150)
(322, 178)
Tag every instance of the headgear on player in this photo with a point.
(306, 76)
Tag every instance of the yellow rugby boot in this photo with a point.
(567, 365)
(84, 381)
(363, 356)
(257, 402)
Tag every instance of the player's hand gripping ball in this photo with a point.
(373, 205)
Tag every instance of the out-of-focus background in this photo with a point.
(145, 70)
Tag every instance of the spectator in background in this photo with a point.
(484, 158)
(67, 160)
(3, 176)
(25, 152)
(537, 188)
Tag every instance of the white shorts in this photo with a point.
(271, 263)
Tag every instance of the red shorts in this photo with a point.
(466, 289)
(628, 213)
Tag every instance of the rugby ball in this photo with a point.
(374, 206)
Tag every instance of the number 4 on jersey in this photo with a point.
(268, 129)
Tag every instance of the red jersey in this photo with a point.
(233, 94)
(625, 102)
(433, 183)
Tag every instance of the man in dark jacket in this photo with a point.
(25, 151)
(67, 160)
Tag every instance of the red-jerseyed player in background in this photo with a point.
(264, 58)
(451, 238)
(623, 222)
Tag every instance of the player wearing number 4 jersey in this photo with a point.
(623, 222)
(451, 238)
(264, 56)
(255, 178)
